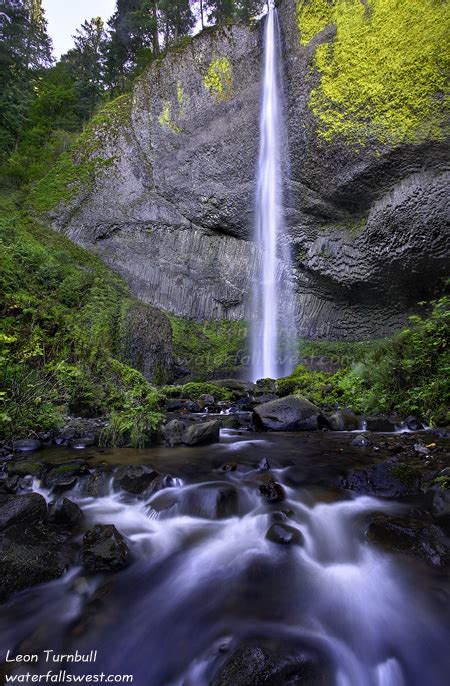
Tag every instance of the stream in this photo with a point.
(200, 586)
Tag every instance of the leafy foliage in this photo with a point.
(60, 336)
(408, 373)
(209, 349)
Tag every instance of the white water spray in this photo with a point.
(266, 360)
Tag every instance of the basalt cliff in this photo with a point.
(161, 182)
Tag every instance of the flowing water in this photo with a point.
(272, 297)
(199, 584)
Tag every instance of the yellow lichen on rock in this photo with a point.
(218, 80)
(384, 75)
(165, 118)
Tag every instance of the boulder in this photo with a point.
(414, 424)
(218, 500)
(182, 405)
(273, 663)
(343, 420)
(440, 506)
(136, 479)
(412, 537)
(292, 413)
(173, 432)
(96, 485)
(22, 509)
(284, 534)
(387, 479)
(272, 491)
(380, 424)
(83, 442)
(66, 513)
(103, 549)
(361, 441)
(147, 342)
(31, 554)
(202, 433)
(206, 400)
(65, 476)
(26, 467)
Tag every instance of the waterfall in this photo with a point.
(271, 294)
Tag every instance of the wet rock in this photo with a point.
(272, 491)
(210, 501)
(104, 549)
(361, 441)
(206, 400)
(412, 537)
(380, 424)
(26, 468)
(182, 405)
(65, 512)
(270, 664)
(9, 485)
(414, 424)
(343, 420)
(63, 477)
(421, 449)
(440, 504)
(284, 534)
(291, 413)
(31, 554)
(96, 485)
(20, 509)
(264, 398)
(173, 432)
(229, 467)
(387, 479)
(229, 422)
(202, 433)
(264, 464)
(239, 387)
(135, 479)
(264, 386)
(27, 445)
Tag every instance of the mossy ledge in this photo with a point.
(76, 170)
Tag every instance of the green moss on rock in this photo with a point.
(218, 80)
(76, 170)
(384, 75)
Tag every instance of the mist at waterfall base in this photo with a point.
(201, 585)
(273, 331)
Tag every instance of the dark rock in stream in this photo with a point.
(414, 424)
(272, 491)
(173, 432)
(284, 534)
(291, 413)
(264, 464)
(387, 479)
(361, 441)
(27, 467)
(409, 536)
(266, 663)
(29, 508)
(64, 477)
(65, 513)
(32, 554)
(103, 549)
(135, 479)
(96, 485)
(343, 420)
(203, 433)
(380, 424)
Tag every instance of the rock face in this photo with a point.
(170, 205)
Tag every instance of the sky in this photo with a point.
(65, 16)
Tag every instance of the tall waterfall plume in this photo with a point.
(272, 330)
